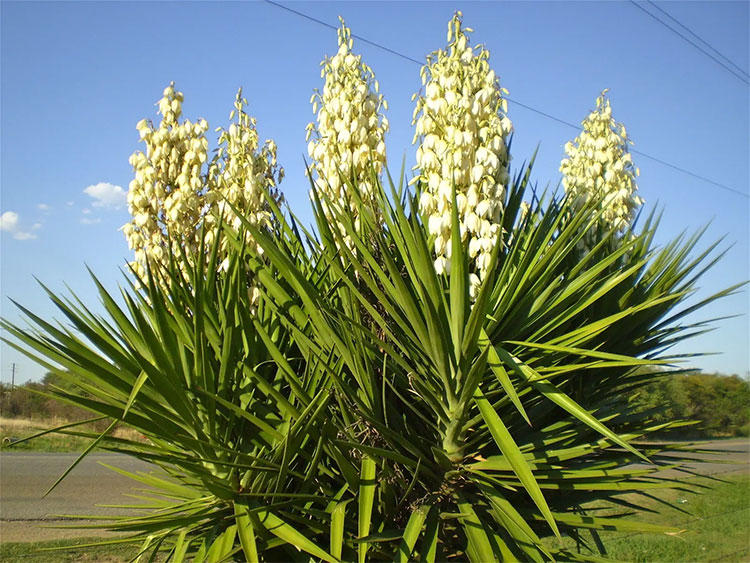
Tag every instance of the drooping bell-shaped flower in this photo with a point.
(598, 165)
(462, 129)
(242, 175)
(166, 198)
(347, 148)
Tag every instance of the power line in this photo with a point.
(691, 32)
(643, 154)
(335, 28)
(717, 184)
(547, 115)
(516, 102)
(701, 49)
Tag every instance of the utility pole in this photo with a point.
(13, 375)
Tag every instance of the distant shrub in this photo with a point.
(22, 402)
(720, 403)
(29, 401)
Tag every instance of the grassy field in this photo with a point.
(19, 428)
(715, 524)
(76, 552)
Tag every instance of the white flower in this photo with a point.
(474, 285)
(159, 213)
(435, 224)
(171, 198)
(349, 135)
(442, 265)
(598, 165)
(243, 174)
(463, 129)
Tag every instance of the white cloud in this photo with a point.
(107, 195)
(36, 226)
(23, 236)
(9, 221)
(9, 224)
(70, 203)
(90, 220)
(86, 211)
(43, 207)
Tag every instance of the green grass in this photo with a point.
(714, 524)
(35, 552)
(16, 428)
(716, 528)
(48, 443)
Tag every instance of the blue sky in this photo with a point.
(77, 77)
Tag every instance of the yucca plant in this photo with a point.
(466, 400)
(367, 408)
(436, 372)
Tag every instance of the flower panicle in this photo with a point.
(243, 174)
(165, 197)
(598, 165)
(462, 127)
(347, 140)
(177, 192)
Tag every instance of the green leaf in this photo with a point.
(222, 545)
(459, 293)
(181, 547)
(496, 365)
(515, 525)
(428, 548)
(508, 447)
(478, 545)
(366, 499)
(92, 445)
(411, 532)
(564, 401)
(245, 532)
(611, 524)
(338, 517)
(290, 535)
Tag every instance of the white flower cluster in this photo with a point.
(171, 199)
(165, 197)
(599, 165)
(462, 124)
(348, 144)
(241, 175)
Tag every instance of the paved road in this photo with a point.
(26, 476)
(734, 457)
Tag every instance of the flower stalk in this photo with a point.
(242, 176)
(172, 199)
